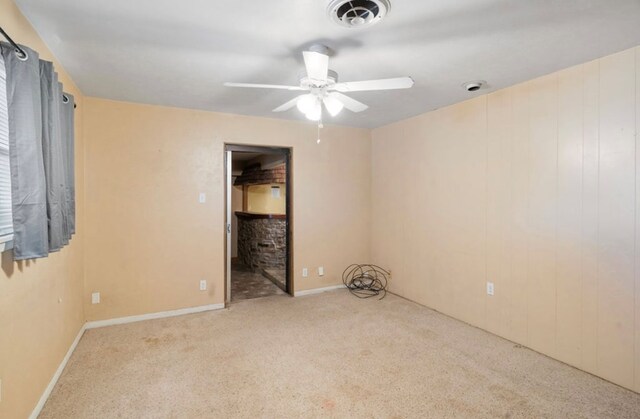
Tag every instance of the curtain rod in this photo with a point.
(19, 51)
(22, 54)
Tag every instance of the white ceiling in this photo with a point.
(179, 53)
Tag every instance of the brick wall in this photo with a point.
(255, 175)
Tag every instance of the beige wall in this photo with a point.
(149, 241)
(41, 309)
(261, 201)
(535, 188)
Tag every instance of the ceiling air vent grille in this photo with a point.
(358, 13)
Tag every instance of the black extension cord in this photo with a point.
(365, 281)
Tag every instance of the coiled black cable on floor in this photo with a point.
(365, 281)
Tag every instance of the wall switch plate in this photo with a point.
(321, 271)
(489, 288)
(95, 298)
(203, 285)
(202, 198)
(305, 272)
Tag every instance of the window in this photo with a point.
(6, 221)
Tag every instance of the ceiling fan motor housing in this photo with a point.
(358, 13)
(332, 78)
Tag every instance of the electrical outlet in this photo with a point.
(489, 288)
(305, 272)
(203, 285)
(95, 298)
(202, 198)
(321, 271)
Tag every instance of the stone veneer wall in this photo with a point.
(262, 242)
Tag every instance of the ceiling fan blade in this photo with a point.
(290, 104)
(351, 104)
(264, 86)
(317, 65)
(382, 84)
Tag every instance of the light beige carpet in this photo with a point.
(327, 355)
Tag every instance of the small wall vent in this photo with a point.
(358, 13)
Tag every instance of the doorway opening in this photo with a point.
(258, 227)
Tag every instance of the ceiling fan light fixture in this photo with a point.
(314, 115)
(306, 103)
(315, 110)
(333, 105)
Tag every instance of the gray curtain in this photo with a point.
(41, 153)
(68, 140)
(28, 185)
(66, 231)
(52, 153)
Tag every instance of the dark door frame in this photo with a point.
(287, 152)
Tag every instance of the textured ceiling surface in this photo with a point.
(180, 53)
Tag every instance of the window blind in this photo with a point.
(6, 221)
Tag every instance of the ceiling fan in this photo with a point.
(322, 87)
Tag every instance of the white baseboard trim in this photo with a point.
(47, 391)
(151, 316)
(318, 290)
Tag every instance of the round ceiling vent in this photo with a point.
(358, 13)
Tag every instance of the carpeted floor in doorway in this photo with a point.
(325, 355)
